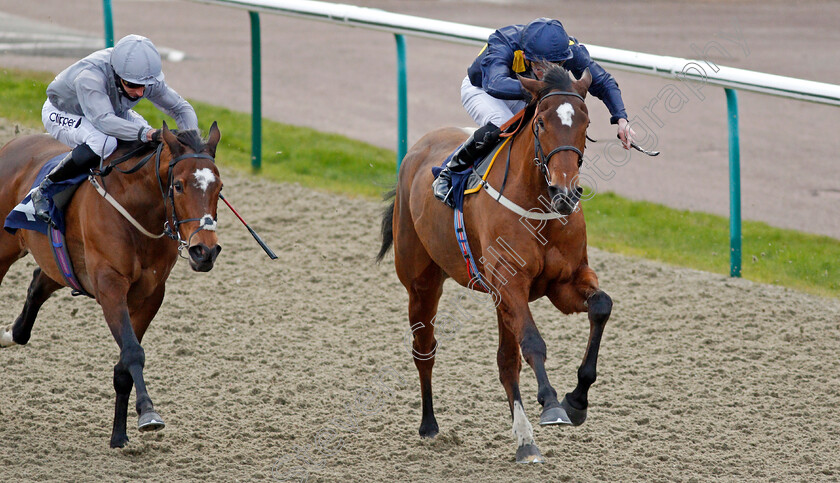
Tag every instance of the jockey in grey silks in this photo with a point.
(89, 107)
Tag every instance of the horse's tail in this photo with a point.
(387, 225)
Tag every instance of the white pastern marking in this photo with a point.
(522, 429)
(6, 337)
(203, 178)
(566, 111)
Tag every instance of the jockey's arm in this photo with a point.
(498, 79)
(167, 100)
(97, 108)
(603, 87)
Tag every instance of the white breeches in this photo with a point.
(74, 130)
(484, 108)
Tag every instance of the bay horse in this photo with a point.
(544, 158)
(124, 269)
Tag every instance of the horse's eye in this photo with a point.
(540, 123)
(179, 187)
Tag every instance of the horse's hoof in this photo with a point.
(429, 431)
(150, 421)
(555, 415)
(119, 441)
(576, 416)
(529, 453)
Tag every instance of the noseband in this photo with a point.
(540, 158)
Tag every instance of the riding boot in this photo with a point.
(77, 161)
(482, 141)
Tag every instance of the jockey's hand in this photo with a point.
(153, 136)
(625, 133)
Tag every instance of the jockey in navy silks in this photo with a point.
(89, 107)
(492, 94)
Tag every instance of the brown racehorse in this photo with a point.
(124, 269)
(519, 263)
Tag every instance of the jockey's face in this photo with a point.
(538, 71)
(133, 90)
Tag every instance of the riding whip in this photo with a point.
(253, 233)
(639, 148)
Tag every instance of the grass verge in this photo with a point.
(335, 163)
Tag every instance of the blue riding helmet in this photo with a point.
(545, 39)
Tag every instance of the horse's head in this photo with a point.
(559, 126)
(192, 184)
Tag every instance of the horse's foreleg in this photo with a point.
(123, 382)
(39, 291)
(583, 295)
(509, 362)
(122, 386)
(132, 357)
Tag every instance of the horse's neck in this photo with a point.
(139, 193)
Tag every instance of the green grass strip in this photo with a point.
(338, 164)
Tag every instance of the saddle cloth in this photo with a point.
(59, 194)
(468, 181)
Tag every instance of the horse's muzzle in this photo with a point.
(202, 257)
(564, 200)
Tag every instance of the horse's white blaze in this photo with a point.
(203, 178)
(566, 111)
(6, 337)
(522, 429)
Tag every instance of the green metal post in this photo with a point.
(734, 185)
(109, 23)
(402, 101)
(256, 93)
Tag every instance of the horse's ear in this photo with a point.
(531, 86)
(174, 146)
(213, 139)
(582, 84)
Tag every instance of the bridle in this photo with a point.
(172, 224)
(540, 158)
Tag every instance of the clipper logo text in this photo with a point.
(64, 120)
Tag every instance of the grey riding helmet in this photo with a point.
(135, 59)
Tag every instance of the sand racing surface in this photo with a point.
(277, 370)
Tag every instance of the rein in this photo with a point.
(170, 230)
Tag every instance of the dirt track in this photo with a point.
(701, 377)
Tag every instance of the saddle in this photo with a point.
(59, 193)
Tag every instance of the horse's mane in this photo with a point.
(556, 77)
(191, 139)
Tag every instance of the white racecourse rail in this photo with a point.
(617, 59)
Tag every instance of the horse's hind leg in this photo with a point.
(423, 280)
(423, 296)
(39, 291)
